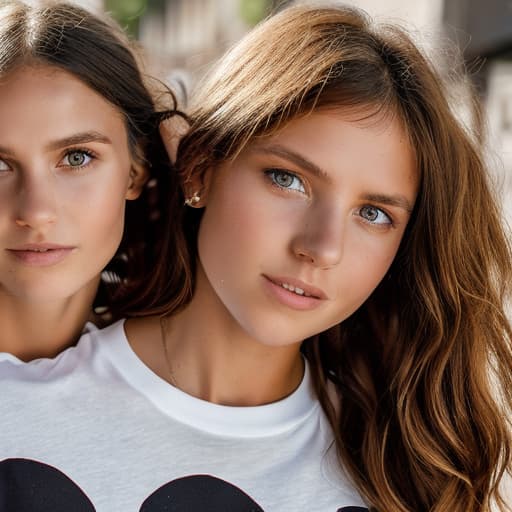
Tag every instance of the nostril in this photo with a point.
(305, 256)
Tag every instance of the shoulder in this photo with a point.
(88, 349)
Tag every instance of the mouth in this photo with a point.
(298, 287)
(44, 254)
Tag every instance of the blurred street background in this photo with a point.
(181, 38)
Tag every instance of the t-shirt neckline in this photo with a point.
(42, 361)
(258, 421)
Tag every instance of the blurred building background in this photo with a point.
(185, 36)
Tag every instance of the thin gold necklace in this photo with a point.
(163, 337)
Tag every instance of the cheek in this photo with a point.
(109, 220)
(367, 263)
(98, 207)
(231, 218)
(6, 207)
(243, 228)
(223, 234)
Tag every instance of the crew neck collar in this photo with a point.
(258, 421)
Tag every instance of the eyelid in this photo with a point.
(78, 149)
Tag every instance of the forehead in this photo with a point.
(362, 133)
(49, 101)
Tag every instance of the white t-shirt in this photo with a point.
(96, 429)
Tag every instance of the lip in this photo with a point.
(316, 293)
(300, 302)
(41, 255)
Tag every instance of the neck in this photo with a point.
(218, 364)
(31, 330)
(212, 358)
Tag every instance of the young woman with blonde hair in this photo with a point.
(396, 225)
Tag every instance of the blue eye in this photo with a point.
(286, 180)
(77, 158)
(374, 215)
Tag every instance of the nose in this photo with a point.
(36, 202)
(319, 241)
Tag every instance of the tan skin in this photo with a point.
(322, 206)
(64, 180)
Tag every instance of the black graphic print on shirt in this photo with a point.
(31, 486)
(199, 492)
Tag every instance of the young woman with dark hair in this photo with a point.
(78, 138)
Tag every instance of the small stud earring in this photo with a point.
(192, 201)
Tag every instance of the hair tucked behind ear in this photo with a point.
(423, 370)
(96, 51)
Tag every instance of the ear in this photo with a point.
(197, 187)
(138, 177)
(171, 131)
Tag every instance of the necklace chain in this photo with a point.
(163, 337)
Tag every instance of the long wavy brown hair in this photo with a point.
(423, 370)
(96, 51)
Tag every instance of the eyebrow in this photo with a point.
(72, 140)
(394, 200)
(79, 138)
(296, 158)
(397, 200)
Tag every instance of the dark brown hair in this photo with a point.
(423, 370)
(96, 51)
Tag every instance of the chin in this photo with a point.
(275, 334)
(45, 291)
(276, 327)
